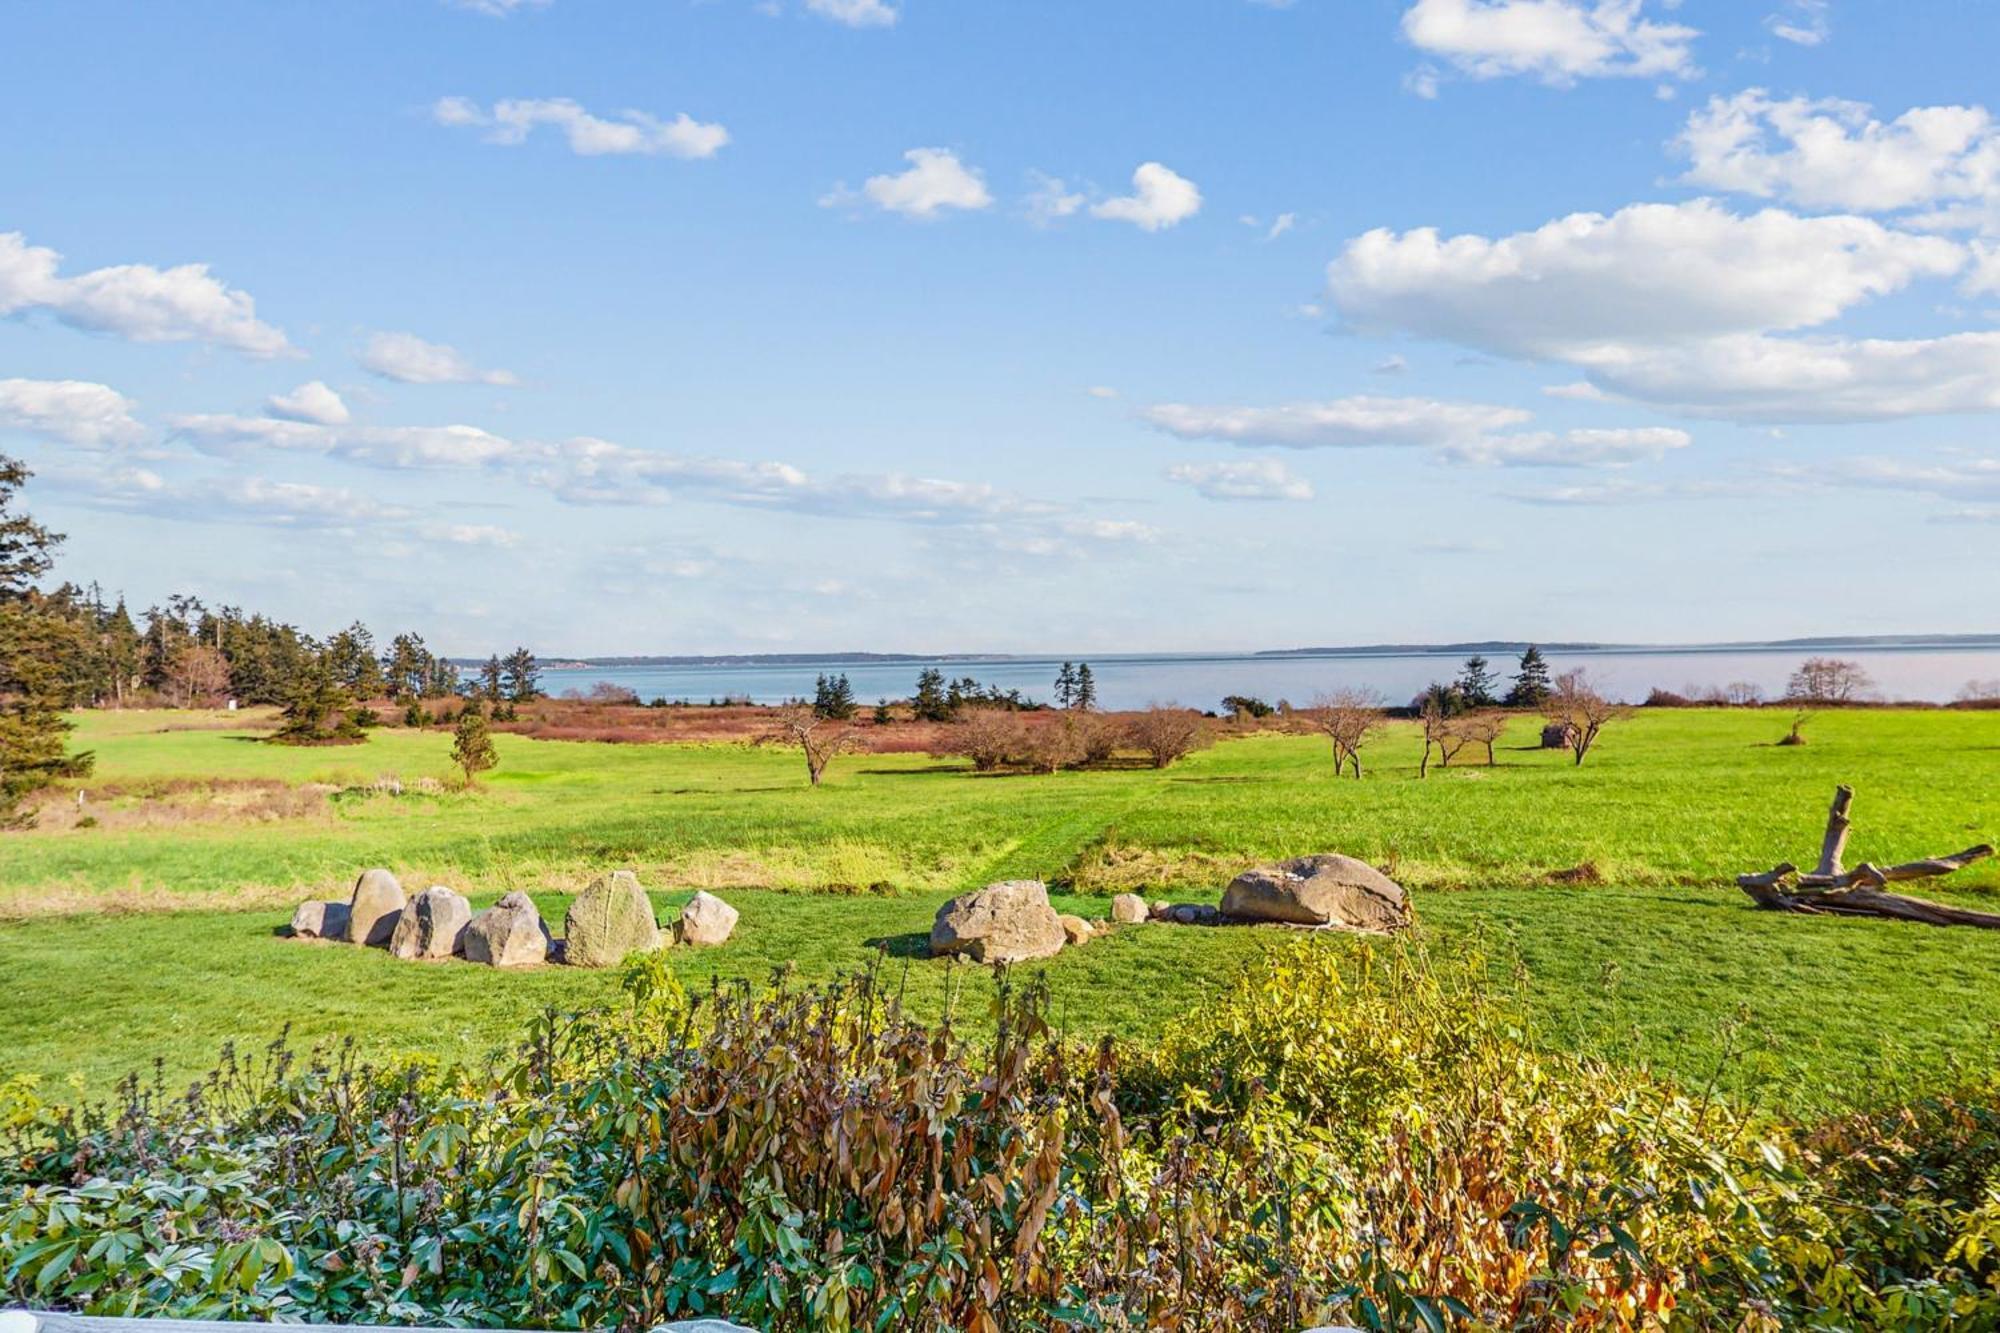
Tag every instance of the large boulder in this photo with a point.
(1075, 929)
(508, 934)
(1129, 909)
(431, 925)
(608, 921)
(320, 921)
(1327, 890)
(1009, 922)
(705, 920)
(373, 907)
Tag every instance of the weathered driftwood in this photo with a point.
(1830, 888)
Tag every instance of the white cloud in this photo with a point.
(408, 359)
(1281, 224)
(628, 132)
(312, 401)
(135, 301)
(1050, 201)
(935, 181)
(1101, 391)
(69, 411)
(1249, 479)
(855, 13)
(1581, 391)
(1390, 365)
(1160, 198)
(1801, 22)
(1556, 41)
(470, 534)
(1586, 287)
(1754, 378)
(1834, 154)
(376, 446)
(1617, 447)
(1342, 423)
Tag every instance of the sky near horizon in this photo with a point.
(913, 325)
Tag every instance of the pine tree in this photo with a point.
(1531, 682)
(472, 745)
(314, 714)
(522, 676)
(492, 679)
(41, 647)
(1085, 697)
(834, 697)
(1066, 685)
(929, 704)
(1475, 682)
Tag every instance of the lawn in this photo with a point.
(1602, 893)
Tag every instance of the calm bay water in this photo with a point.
(1200, 681)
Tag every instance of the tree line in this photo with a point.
(72, 647)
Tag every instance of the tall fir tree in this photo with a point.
(929, 703)
(1475, 682)
(1532, 685)
(1085, 697)
(1066, 685)
(522, 676)
(43, 643)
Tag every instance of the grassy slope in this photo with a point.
(1653, 965)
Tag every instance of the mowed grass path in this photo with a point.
(1663, 962)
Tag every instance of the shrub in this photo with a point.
(1167, 733)
(1366, 1139)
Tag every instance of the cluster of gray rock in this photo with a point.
(606, 923)
(1013, 921)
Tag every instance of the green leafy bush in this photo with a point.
(1374, 1143)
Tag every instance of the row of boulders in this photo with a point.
(606, 923)
(1013, 921)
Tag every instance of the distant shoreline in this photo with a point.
(1826, 643)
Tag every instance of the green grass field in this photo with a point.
(1603, 893)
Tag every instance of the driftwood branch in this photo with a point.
(1830, 889)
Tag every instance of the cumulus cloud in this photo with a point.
(77, 412)
(1755, 378)
(935, 181)
(1342, 423)
(855, 13)
(1249, 479)
(1827, 153)
(453, 446)
(1586, 286)
(312, 402)
(408, 359)
(627, 132)
(1555, 41)
(1160, 198)
(136, 301)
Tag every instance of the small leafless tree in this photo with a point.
(1797, 735)
(821, 738)
(1829, 680)
(1481, 729)
(1437, 732)
(1053, 746)
(1980, 693)
(1576, 706)
(1346, 718)
(1744, 693)
(199, 674)
(1167, 732)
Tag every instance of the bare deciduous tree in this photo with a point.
(990, 737)
(1441, 730)
(1054, 746)
(1580, 710)
(1167, 732)
(1344, 717)
(1481, 729)
(199, 674)
(821, 738)
(1829, 680)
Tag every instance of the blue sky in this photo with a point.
(910, 325)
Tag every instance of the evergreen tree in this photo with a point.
(1066, 685)
(522, 676)
(407, 666)
(315, 711)
(43, 643)
(1085, 696)
(929, 703)
(1475, 682)
(834, 698)
(493, 679)
(883, 717)
(1531, 682)
(471, 745)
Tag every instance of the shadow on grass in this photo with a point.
(911, 944)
